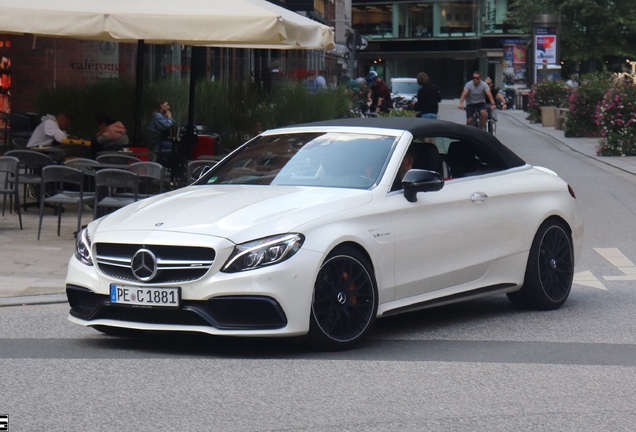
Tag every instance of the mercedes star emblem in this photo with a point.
(144, 265)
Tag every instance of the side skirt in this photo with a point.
(456, 298)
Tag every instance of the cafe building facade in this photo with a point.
(30, 63)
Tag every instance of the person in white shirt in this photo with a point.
(51, 129)
(321, 81)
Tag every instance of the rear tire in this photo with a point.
(345, 301)
(550, 269)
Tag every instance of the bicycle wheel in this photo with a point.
(490, 126)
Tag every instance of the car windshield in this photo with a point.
(347, 160)
(409, 88)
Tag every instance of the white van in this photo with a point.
(405, 88)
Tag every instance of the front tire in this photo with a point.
(345, 300)
(550, 269)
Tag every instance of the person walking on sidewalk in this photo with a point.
(428, 98)
(475, 93)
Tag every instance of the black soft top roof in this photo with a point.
(429, 128)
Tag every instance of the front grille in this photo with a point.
(175, 264)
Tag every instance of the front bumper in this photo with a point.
(271, 301)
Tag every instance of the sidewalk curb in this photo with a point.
(33, 300)
(597, 158)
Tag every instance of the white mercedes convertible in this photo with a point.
(319, 229)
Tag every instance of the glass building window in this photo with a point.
(373, 21)
(425, 19)
(456, 19)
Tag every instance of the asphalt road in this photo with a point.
(479, 365)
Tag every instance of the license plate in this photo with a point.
(144, 296)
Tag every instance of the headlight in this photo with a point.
(263, 252)
(83, 248)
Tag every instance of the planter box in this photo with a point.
(548, 116)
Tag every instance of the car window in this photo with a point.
(347, 160)
(405, 87)
(463, 158)
(421, 154)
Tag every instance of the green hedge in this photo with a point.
(236, 111)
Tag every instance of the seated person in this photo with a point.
(111, 134)
(51, 129)
(159, 125)
(406, 166)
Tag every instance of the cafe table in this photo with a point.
(97, 165)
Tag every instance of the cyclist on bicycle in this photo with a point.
(475, 93)
(379, 93)
(498, 97)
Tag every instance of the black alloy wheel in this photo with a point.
(550, 270)
(345, 300)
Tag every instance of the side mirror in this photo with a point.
(417, 180)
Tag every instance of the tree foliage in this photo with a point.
(590, 29)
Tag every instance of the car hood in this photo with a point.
(238, 213)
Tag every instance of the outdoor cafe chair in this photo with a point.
(86, 166)
(19, 126)
(55, 180)
(31, 165)
(19, 143)
(113, 158)
(9, 183)
(148, 173)
(196, 168)
(115, 188)
(80, 162)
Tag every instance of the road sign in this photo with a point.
(361, 42)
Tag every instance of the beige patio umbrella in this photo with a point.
(221, 23)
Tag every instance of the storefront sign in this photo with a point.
(107, 69)
(545, 45)
(491, 15)
(514, 62)
(108, 55)
(508, 57)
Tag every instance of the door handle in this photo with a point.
(478, 197)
